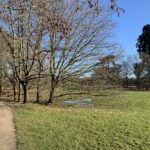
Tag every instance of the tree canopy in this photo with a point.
(143, 42)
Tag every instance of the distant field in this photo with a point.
(120, 122)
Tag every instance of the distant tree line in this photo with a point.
(129, 72)
(137, 69)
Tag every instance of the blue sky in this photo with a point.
(130, 24)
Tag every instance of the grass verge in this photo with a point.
(118, 123)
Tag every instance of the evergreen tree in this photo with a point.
(143, 42)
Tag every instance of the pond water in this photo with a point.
(82, 101)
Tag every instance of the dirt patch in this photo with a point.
(7, 129)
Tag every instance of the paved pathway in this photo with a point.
(7, 129)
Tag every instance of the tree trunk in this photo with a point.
(139, 86)
(51, 96)
(38, 91)
(37, 95)
(24, 86)
(52, 90)
(127, 82)
(14, 91)
(52, 68)
(19, 91)
(138, 83)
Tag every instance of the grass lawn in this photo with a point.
(117, 123)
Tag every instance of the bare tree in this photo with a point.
(74, 47)
(25, 32)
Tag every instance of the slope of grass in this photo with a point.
(120, 122)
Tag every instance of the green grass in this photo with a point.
(120, 122)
